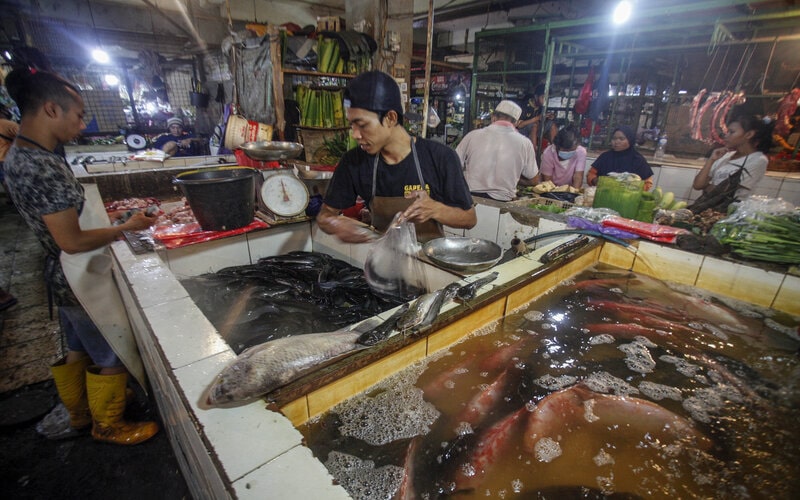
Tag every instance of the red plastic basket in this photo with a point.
(245, 161)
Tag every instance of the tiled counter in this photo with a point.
(250, 451)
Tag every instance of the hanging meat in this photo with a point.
(786, 108)
(585, 97)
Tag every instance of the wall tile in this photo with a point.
(666, 263)
(788, 297)
(740, 282)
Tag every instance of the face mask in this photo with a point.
(566, 155)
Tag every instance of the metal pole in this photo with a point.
(428, 50)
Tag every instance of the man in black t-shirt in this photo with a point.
(392, 171)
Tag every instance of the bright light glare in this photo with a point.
(100, 56)
(111, 80)
(7, 55)
(622, 12)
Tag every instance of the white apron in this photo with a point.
(90, 277)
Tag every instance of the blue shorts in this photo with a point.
(83, 336)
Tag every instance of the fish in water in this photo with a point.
(470, 290)
(263, 368)
(564, 411)
(425, 309)
(382, 331)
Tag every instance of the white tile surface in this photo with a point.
(295, 474)
(183, 332)
(486, 228)
(152, 282)
(210, 256)
(244, 438)
(329, 244)
(279, 240)
(790, 190)
(768, 186)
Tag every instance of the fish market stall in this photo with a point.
(246, 449)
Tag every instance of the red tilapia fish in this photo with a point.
(493, 444)
(578, 406)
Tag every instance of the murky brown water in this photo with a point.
(612, 384)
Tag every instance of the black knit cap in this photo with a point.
(374, 91)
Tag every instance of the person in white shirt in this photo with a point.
(748, 140)
(496, 158)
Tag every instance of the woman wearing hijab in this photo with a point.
(621, 158)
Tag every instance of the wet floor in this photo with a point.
(31, 466)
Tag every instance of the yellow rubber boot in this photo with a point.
(107, 404)
(70, 380)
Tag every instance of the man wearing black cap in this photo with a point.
(392, 171)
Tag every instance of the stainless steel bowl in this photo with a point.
(463, 254)
(272, 150)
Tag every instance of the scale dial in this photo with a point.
(284, 195)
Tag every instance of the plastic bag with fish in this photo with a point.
(392, 268)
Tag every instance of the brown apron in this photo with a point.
(384, 208)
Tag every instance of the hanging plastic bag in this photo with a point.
(392, 268)
(433, 118)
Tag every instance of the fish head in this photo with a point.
(234, 383)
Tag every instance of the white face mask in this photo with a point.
(566, 155)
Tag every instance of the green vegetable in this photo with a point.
(771, 238)
(667, 199)
(546, 208)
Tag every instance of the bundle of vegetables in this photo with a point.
(762, 236)
(546, 208)
(328, 58)
(321, 108)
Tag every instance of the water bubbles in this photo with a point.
(360, 477)
(517, 485)
(387, 417)
(607, 383)
(657, 392)
(555, 383)
(464, 428)
(603, 458)
(534, 315)
(603, 338)
(638, 357)
(547, 449)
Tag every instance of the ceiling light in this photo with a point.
(622, 12)
(100, 56)
(111, 80)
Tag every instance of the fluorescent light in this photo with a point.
(100, 56)
(622, 12)
(111, 80)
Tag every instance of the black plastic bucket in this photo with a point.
(221, 198)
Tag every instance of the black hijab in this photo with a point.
(629, 160)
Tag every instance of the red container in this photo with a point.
(245, 161)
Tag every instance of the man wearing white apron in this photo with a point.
(91, 380)
(392, 171)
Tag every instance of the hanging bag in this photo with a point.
(721, 195)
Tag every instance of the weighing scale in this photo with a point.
(282, 197)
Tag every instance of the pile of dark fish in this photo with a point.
(290, 294)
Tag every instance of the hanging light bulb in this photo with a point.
(101, 56)
(622, 12)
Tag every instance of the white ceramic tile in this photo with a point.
(295, 474)
(790, 190)
(438, 278)
(768, 186)
(547, 226)
(329, 244)
(510, 228)
(152, 281)
(279, 240)
(451, 231)
(243, 438)
(749, 284)
(656, 173)
(667, 263)
(677, 180)
(486, 228)
(210, 256)
(183, 332)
